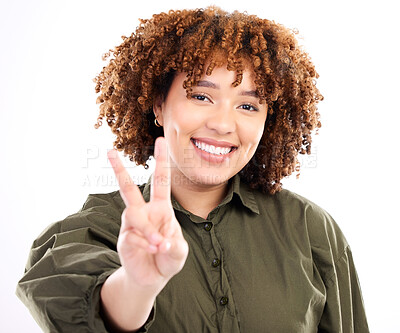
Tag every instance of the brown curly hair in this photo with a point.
(143, 66)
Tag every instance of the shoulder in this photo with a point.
(99, 211)
(327, 242)
(322, 228)
(288, 203)
(103, 202)
(99, 201)
(98, 207)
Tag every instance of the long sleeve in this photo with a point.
(250, 250)
(68, 264)
(344, 309)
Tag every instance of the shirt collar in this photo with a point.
(238, 187)
(245, 193)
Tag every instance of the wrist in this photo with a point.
(126, 305)
(131, 286)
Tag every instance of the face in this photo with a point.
(213, 134)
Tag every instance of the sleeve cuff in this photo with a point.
(95, 321)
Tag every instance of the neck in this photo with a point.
(199, 199)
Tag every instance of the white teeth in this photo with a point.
(212, 149)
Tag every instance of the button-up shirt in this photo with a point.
(258, 263)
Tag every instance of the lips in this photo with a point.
(214, 147)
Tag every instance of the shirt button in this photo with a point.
(216, 262)
(224, 300)
(207, 226)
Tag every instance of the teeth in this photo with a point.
(212, 149)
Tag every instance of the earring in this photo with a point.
(157, 123)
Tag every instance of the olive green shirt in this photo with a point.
(258, 263)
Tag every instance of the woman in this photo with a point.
(211, 243)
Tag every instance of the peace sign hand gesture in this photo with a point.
(151, 245)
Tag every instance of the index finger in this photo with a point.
(130, 193)
(161, 180)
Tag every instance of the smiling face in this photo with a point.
(213, 134)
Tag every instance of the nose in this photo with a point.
(222, 119)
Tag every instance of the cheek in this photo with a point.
(181, 122)
(181, 127)
(252, 133)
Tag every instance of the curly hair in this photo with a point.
(142, 68)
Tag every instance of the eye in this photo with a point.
(200, 97)
(248, 107)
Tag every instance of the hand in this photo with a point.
(150, 245)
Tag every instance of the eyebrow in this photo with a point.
(209, 84)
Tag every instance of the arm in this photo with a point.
(151, 247)
(344, 309)
(67, 265)
(72, 260)
(135, 305)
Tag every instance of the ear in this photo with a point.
(158, 109)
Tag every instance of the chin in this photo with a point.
(207, 178)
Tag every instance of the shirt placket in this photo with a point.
(224, 301)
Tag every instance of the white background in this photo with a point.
(52, 157)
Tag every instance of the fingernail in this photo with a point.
(152, 248)
(111, 153)
(111, 156)
(167, 245)
(156, 150)
(156, 238)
